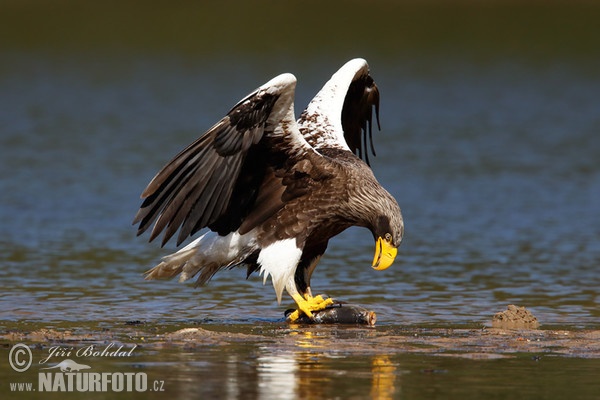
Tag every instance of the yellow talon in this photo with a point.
(307, 305)
(293, 316)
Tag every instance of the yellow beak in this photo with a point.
(385, 254)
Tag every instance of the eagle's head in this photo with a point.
(388, 230)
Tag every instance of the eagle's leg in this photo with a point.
(318, 299)
(307, 303)
(299, 288)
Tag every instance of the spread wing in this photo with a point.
(340, 116)
(215, 182)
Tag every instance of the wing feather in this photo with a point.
(216, 180)
(207, 207)
(357, 115)
(340, 116)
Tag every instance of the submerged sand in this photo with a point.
(512, 331)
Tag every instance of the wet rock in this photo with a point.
(515, 318)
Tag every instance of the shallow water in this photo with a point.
(266, 360)
(494, 159)
(498, 178)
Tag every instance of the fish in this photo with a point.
(338, 313)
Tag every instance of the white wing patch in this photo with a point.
(321, 123)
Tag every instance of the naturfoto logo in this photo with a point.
(69, 366)
(57, 373)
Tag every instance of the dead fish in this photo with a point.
(339, 313)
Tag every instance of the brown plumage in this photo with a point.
(272, 191)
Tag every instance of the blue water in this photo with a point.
(496, 168)
(490, 117)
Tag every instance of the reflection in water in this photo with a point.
(232, 386)
(310, 371)
(284, 367)
(384, 375)
(277, 374)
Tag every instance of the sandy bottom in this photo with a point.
(511, 332)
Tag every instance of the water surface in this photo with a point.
(489, 143)
(496, 171)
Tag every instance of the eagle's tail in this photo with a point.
(204, 256)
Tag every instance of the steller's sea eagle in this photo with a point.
(272, 191)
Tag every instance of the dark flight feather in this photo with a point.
(194, 189)
(357, 115)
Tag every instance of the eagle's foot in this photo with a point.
(308, 304)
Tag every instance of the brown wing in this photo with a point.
(215, 181)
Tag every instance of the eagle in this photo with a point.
(271, 191)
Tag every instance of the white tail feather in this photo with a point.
(206, 255)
